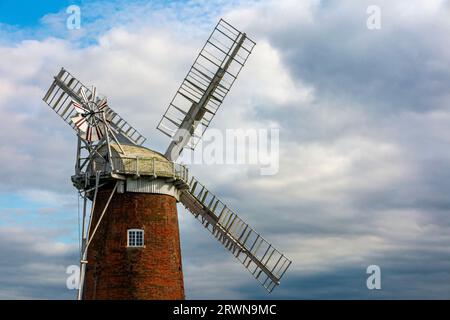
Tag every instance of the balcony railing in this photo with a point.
(140, 166)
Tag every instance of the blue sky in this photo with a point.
(363, 118)
(28, 13)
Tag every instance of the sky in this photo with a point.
(363, 114)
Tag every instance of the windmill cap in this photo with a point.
(135, 160)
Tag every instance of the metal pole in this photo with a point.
(77, 164)
(83, 241)
(117, 141)
(107, 141)
(101, 216)
(94, 201)
(83, 255)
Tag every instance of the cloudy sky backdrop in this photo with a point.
(364, 119)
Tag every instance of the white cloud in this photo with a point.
(356, 180)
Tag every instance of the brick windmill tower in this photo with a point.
(130, 238)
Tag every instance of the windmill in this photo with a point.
(130, 246)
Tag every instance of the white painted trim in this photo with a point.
(156, 186)
(128, 238)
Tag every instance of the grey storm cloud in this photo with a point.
(363, 117)
(34, 265)
(403, 65)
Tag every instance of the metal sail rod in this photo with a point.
(66, 89)
(204, 88)
(236, 243)
(77, 163)
(197, 110)
(265, 263)
(116, 141)
(107, 140)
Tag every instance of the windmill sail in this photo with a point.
(204, 88)
(66, 89)
(258, 256)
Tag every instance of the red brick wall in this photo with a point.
(117, 272)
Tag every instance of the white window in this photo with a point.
(135, 238)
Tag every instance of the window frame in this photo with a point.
(137, 231)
